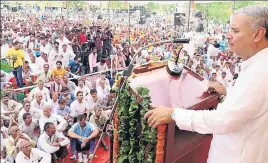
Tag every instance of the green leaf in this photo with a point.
(123, 159)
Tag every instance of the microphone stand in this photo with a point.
(126, 74)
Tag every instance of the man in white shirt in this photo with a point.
(55, 119)
(53, 142)
(223, 79)
(36, 113)
(239, 123)
(40, 89)
(81, 87)
(68, 55)
(28, 154)
(103, 77)
(80, 106)
(9, 107)
(38, 102)
(55, 55)
(102, 90)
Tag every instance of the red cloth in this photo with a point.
(82, 38)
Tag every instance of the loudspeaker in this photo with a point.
(142, 21)
(14, 9)
(99, 17)
(200, 28)
(179, 18)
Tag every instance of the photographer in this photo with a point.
(16, 59)
(90, 38)
(107, 42)
(98, 42)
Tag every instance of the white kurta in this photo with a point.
(36, 156)
(239, 124)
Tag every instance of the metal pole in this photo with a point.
(67, 9)
(189, 14)
(233, 6)
(125, 79)
(129, 22)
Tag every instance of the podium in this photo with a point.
(186, 91)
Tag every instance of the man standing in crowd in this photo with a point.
(16, 58)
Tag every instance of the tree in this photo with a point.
(221, 11)
(152, 7)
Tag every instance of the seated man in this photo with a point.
(8, 89)
(13, 141)
(59, 71)
(98, 118)
(45, 75)
(83, 136)
(28, 127)
(9, 107)
(80, 106)
(102, 90)
(29, 154)
(40, 89)
(106, 81)
(67, 96)
(54, 143)
(57, 120)
(36, 113)
(74, 66)
(38, 102)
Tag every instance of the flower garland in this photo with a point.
(116, 123)
(160, 144)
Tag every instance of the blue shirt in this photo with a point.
(68, 101)
(66, 111)
(223, 44)
(89, 128)
(74, 66)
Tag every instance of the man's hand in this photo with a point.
(84, 139)
(159, 115)
(55, 144)
(83, 144)
(217, 87)
(60, 140)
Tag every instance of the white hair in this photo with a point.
(47, 105)
(258, 14)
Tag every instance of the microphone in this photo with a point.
(127, 72)
(181, 40)
(176, 68)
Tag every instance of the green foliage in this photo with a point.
(76, 4)
(221, 11)
(133, 143)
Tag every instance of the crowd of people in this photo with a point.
(61, 113)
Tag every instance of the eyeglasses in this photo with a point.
(27, 105)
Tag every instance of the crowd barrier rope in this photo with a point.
(18, 90)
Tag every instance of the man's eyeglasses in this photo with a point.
(27, 105)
